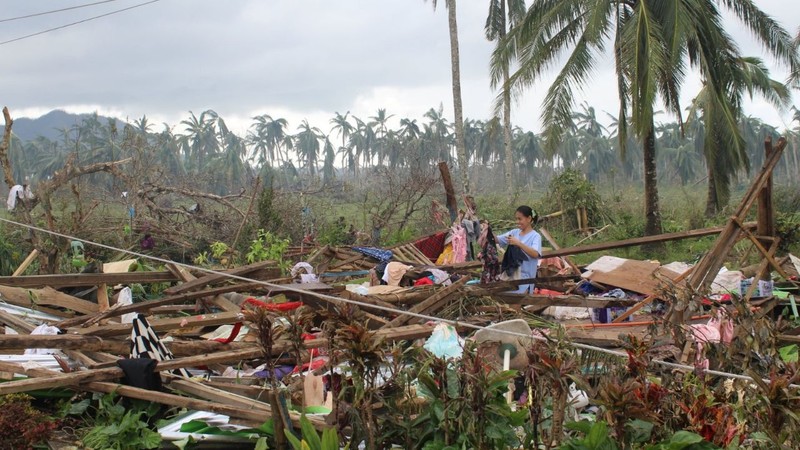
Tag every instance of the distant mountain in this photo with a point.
(48, 125)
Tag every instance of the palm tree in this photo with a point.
(344, 128)
(328, 170)
(379, 124)
(267, 136)
(455, 66)
(502, 15)
(724, 147)
(653, 40)
(307, 145)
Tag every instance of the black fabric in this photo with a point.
(380, 269)
(513, 259)
(140, 373)
(145, 344)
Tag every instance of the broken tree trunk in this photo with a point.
(449, 191)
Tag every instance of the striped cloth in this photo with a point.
(146, 344)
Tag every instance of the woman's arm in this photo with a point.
(503, 238)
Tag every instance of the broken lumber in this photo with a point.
(31, 298)
(633, 242)
(214, 278)
(86, 279)
(432, 304)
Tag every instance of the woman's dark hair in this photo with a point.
(527, 211)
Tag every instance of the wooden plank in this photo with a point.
(19, 325)
(577, 301)
(766, 212)
(118, 347)
(31, 298)
(161, 325)
(214, 278)
(649, 299)
(26, 263)
(431, 302)
(633, 242)
(632, 275)
(150, 304)
(86, 279)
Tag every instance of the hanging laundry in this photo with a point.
(432, 246)
(459, 244)
(17, 191)
(488, 255)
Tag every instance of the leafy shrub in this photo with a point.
(118, 428)
(571, 190)
(22, 426)
(268, 247)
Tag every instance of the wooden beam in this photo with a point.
(214, 278)
(161, 325)
(150, 304)
(633, 242)
(19, 325)
(118, 347)
(27, 262)
(426, 305)
(766, 212)
(449, 191)
(86, 279)
(577, 301)
(31, 298)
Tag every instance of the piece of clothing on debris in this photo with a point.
(447, 255)
(488, 255)
(432, 246)
(374, 253)
(304, 272)
(18, 191)
(529, 266)
(43, 330)
(146, 344)
(394, 273)
(459, 242)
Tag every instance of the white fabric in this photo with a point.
(17, 191)
(125, 298)
(302, 266)
(44, 330)
(440, 277)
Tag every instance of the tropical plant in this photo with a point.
(311, 440)
(116, 427)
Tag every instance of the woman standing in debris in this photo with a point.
(523, 249)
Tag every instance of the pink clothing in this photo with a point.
(459, 244)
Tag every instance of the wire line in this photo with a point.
(56, 11)
(288, 287)
(78, 22)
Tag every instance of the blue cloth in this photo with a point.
(375, 253)
(531, 265)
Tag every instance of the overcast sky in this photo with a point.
(288, 58)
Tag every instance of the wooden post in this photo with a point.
(449, 191)
(766, 212)
(24, 266)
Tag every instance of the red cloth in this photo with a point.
(425, 281)
(288, 306)
(232, 336)
(432, 246)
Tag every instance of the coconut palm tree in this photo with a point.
(724, 148)
(653, 42)
(307, 145)
(504, 14)
(267, 135)
(455, 66)
(343, 126)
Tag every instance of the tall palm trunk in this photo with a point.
(509, 154)
(652, 212)
(461, 149)
(712, 199)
